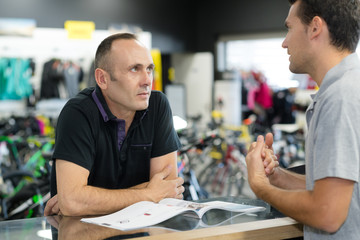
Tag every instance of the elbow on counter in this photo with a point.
(331, 222)
(69, 206)
(331, 226)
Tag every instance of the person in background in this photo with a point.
(321, 41)
(115, 144)
(263, 102)
(258, 98)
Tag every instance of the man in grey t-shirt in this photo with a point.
(321, 41)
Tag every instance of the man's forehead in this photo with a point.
(293, 11)
(126, 44)
(292, 15)
(132, 51)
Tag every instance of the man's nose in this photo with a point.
(148, 78)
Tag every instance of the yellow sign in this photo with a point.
(157, 84)
(79, 29)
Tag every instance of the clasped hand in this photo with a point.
(261, 162)
(267, 154)
(161, 188)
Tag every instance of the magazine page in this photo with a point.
(228, 206)
(145, 213)
(195, 209)
(222, 218)
(183, 222)
(138, 215)
(202, 208)
(179, 223)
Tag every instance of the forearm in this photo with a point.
(76, 198)
(325, 207)
(140, 186)
(297, 204)
(89, 200)
(286, 179)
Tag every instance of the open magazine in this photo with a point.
(145, 213)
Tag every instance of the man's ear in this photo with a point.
(101, 78)
(316, 27)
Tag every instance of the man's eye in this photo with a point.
(134, 69)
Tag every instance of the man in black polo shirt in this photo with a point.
(115, 145)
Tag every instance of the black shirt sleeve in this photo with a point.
(165, 138)
(74, 137)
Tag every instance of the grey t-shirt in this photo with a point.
(333, 140)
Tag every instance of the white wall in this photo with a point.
(196, 72)
(230, 93)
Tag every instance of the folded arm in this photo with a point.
(76, 198)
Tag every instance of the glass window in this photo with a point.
(265, 55)
(259, 53)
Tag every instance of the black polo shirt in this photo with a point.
(89, 135)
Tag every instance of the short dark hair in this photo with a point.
(101, 60)
(341, 16)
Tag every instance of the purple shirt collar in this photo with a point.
(139, 114)
(100, 106)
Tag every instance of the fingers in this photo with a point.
(54, 221)
(256, 149)
(264, 146)
(263, 153)
(180, 196)
(51, 206)
(259, 144)
(267, 153)
(255, 155)
(269, 140)
(252, 146)
(47, 211)
(179, 181)
(179, 192)
(257, 176)
(179, 188)
(162, 188)
(55, 210)
(270, 162)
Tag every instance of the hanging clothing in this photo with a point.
(60, 79)
(51, 78)
(15, 75)
(263, 96)
(73, 75)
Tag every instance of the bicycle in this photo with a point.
(186, 168)
(226, 174)
(24, 175)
